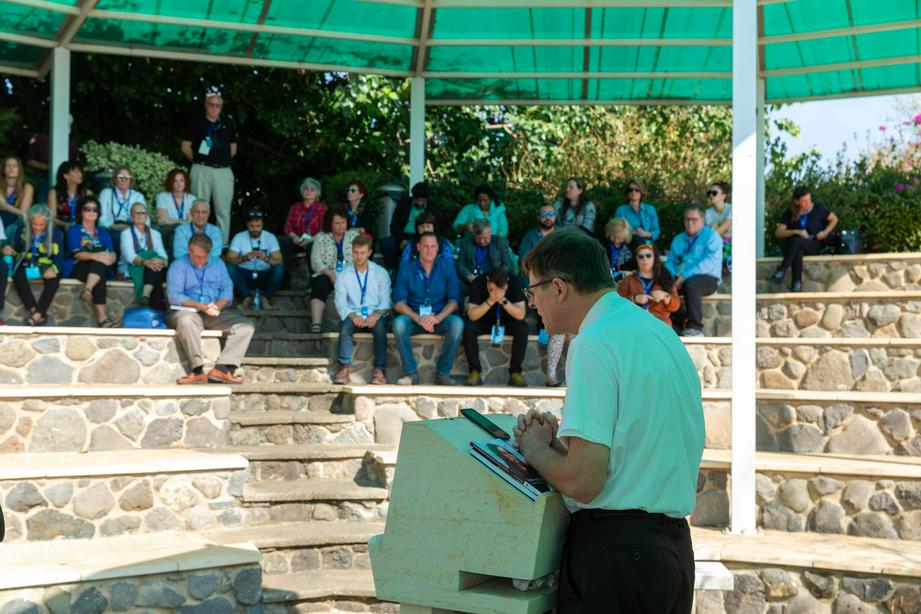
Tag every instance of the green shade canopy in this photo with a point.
(490, 51)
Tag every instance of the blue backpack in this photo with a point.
(143, 317)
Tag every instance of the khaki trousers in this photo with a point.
(215, 185)
(189, 326)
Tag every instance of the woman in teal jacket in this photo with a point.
(486, 206)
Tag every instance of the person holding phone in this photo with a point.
(626, 455)
(255, 262)
(804, 227)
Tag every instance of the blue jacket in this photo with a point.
(647, 218)
(438, 290)
(702, 255)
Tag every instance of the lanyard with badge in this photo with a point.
(32, 271)
(426, 309)
(308, 216)
(615, 257)
(71, 206)
(180, 206)
(647, 286)
(194, 230)
(201, 282)
(480, 259)
(363, 287)
(803, 220)
(497, 336)
(340, 257)
(122, 204)
(207, 143)
(353, 217)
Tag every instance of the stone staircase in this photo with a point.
(196, 486)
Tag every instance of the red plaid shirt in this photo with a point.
(303, 219)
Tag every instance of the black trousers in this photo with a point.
(629, 561)
(516, 329)
(82, 270)
(694, 290)
(793, 252)
(321, 287)
(49, 288)
(4, 273)
(157, 279)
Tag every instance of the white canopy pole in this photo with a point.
(60, 110)
(744, 191)
(759, 171)
(416, 130)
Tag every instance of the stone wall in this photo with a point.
(72, 424)
(791, 590)
(839, 367)
(863, 273)
(83, 508)
(67, 309)
(852, 505)
(51, 358)
(216, 590)
(841, 316)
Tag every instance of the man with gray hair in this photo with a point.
(627, 452)
(480, 253)
(210, 144)
(200, 294)
(199, 225)
(696, 261)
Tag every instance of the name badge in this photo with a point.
(32, 272)
(205, 147)
(340, 266)
(364, 311)
(425, 310)
(498, 335)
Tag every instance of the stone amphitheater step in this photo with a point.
(267, 369)
(320, 499)
(74, 355)
(848, 273)
(295, 547)
(80, 417)
(99, 494)
(178, 572)
(349, 590)
(286, 461)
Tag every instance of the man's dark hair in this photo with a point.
(697, 208)
(488, 191)
(800, 191)
(498, 277)
(426, 217)
(573, 256)
(84, 201)
(200, 240)
(427, 234)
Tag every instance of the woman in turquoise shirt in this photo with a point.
(486, 206)
(642, 216)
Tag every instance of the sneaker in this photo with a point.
(378, 378)
(797, 286)
(776, 278)
(343, 376)
(692, 332)
(444, 380)
(553, 383)
(247, 303)
(517, 380)
(409, 379)
(474, 379)
(316, 328)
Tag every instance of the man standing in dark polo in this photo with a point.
(626, 455)
(211, 144)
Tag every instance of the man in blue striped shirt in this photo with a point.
(696, 261)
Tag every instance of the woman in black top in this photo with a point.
(805, 226)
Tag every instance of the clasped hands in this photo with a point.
(536, 430)
(210, 309)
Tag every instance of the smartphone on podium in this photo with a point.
(485, 423)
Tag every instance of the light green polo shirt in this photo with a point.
(414, 212)
(632, 387)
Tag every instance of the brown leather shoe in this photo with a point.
(216, 376)
(343, 376)
(378, 378)
(192, 378)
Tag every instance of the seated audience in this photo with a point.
(199, 286)
(39, 248)
(91, 257)
(199, 213)
(363, 304)
(575, 209)
(143, 260)
(255, 262)
(496, 308)
(359, 211)
(331, 253)
(68, 189)
(17, 194)
(425, 298)
(486, 206)
(652, 286)
(5, 270)
(115, 204)
(174, 204)
(481, 252)
(403, 223)
(426, 223)
(696, 262)
(642, 217)
(546, 223)
(805, 226)
(618, 235)
(719, 217)
(304, 222)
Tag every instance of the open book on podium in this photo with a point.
(457, 533)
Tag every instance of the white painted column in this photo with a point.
(759, 170)
(60, 109)
(744, 195)
(416, 130)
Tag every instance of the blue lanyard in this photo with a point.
(803, 219)
(339, 256)
(138, 238)
(308, 217)
(498, 313)
(481, 257)
(197, 232)
(121, 204)
(212, 128)
(615, 256)
(36, 242)
(201, 280)
(11, 199)
(646, 288)
(353, 218)
(72, 205)
(180, 206)
(427, 280)
(691, 243)
(362, 286)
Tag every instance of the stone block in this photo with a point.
(94, 502)
(158, 594)
(247, 586)
(775, 516)
(871, 524)
(830, 371)
(59, 430)
(389, 419)
(51, 524)
(860, 436)
(113, 367)
(712, 509)
(49, 370)
(779, 584)
(90, 601)
(23, 497)
(162, 433)
(795, 495)
(124, 595)
(826, 517)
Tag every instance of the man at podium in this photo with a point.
(626, 454)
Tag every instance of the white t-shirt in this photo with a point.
(113, 209)
(166, 201)
(243, 243)
(632, 387)
(713, 219)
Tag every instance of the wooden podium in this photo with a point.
(457, 534)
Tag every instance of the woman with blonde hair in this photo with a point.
(17, 194)
(39, 247)
(618, 234)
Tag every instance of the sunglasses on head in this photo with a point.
(90, 210)
(713, 192)
(644, 256)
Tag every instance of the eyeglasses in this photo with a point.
(629, 190)
(141, 212)
(643, 256)
(90, 210)
(693, 219)
(352, 190)
(124, 177)
(713, 193)
(545, 214)
(529, 291)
